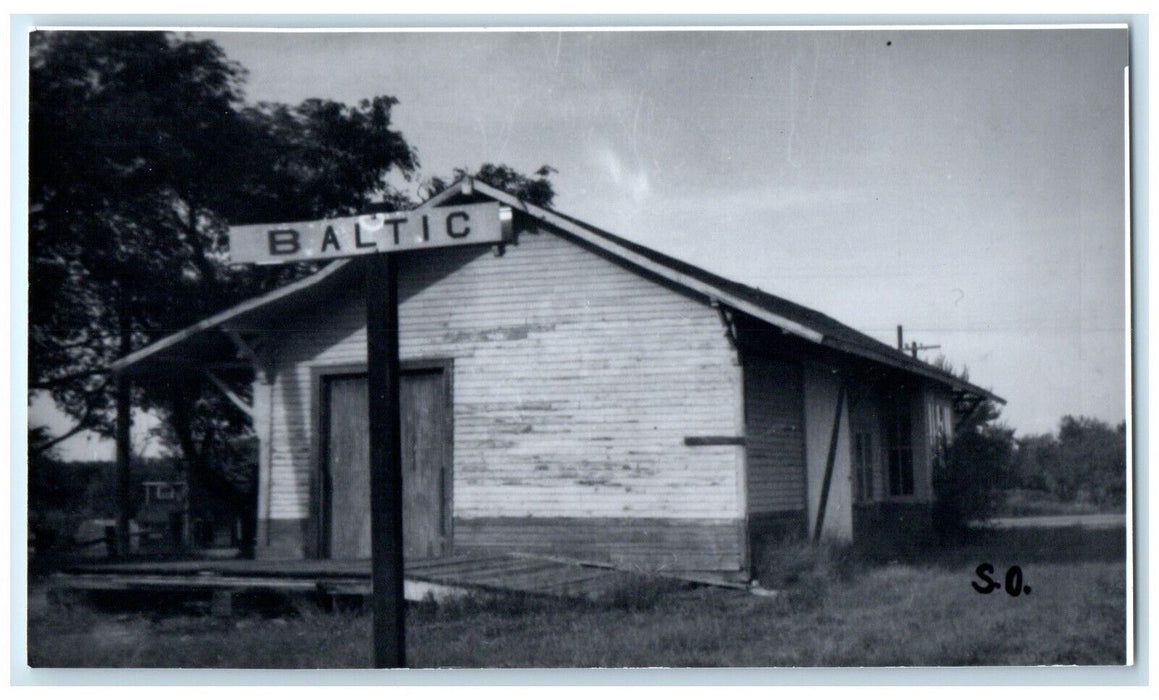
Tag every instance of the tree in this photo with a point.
(968, 476)
(1032, 455)
(141, 149)
(535, 190)
(1090, 461)
(970, 469)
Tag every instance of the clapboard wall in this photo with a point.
(774, 438)
(575, 384)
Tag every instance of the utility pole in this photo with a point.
(912, 346)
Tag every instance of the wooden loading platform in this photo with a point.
(437, 579)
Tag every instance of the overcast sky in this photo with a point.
(966, 184)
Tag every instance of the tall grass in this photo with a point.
(835, 608)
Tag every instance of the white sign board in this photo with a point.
(270, 244)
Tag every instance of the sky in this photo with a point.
(968, 185)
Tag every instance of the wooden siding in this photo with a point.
(671, 544)
(774, 434)
(575, 384)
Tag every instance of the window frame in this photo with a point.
(898, 448)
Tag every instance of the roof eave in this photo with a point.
(716, 294)
(915, 367)
(712, 293)
(152, 351)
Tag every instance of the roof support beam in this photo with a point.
(246, 349)
(230, 394)
(729, 324)
(966, 405)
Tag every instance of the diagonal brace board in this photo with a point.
(825, 484)
(230, 394)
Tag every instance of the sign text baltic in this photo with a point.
(370, 233)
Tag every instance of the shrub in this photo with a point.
(967, 473)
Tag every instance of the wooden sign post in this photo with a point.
(379, 237)
(386, 542)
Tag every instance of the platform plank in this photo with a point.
(477, 570)
(515, 576)
(498, 568)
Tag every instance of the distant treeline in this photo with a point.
(1086, 461)
(985, 466)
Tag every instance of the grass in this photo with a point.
(1022, 502)
(842, 610)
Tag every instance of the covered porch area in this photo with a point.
(226, 361)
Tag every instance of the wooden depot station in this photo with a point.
(564, 392)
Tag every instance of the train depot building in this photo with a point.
(570, 393)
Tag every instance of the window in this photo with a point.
(863, 465)
(899, 451)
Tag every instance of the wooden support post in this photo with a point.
(829, 464)
(111, 540)
(386, 539)
(264, 427)
(124, 476)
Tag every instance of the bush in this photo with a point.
(967, 474)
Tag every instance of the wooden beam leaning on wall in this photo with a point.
(829, 462)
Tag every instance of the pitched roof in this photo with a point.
(794, 318)
(790, 316)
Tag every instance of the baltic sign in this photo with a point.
(435, 227)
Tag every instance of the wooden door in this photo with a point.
(347, 458)
(426, 461)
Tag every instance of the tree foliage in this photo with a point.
(1086, 461)
(968, 475)
(141, 151)
(970, 469)
(535, 188)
